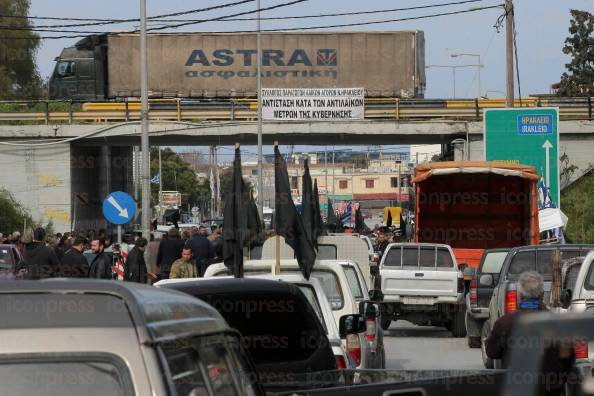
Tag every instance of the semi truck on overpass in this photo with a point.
(223, 65)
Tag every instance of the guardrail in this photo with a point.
(73, 112)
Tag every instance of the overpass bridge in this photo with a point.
(60, 164)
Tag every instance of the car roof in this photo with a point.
(553, 247)
(496, 250)
(156, 313)
(226, 285)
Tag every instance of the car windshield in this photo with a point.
(493, 262)
(312, 297)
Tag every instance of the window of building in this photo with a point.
(394, 182)
(369, 183)
(294, 182)
(343, 184)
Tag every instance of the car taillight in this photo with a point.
(461, 285)
(354, 348)
(511, 301)
(580, 348)
(340, 362)
(473, 292)
(370, 329)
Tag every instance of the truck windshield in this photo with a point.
(419, 256)
(493, 262)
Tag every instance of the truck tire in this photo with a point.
(459, 322)
(485, 332)
(386, 321)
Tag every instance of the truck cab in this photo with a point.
(80, 72)
(421, 283)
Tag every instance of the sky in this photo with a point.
(542, 26)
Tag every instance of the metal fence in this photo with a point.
(80, 112)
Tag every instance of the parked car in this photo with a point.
(10, 258)
(96, 338)
(313, 291)
(346, 292)
(479, 295)
(421, 283)
(505, 296)
(277, 323)
(330, 247)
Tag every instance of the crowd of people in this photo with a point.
(95, 255)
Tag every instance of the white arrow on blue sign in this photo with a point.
(119, 207)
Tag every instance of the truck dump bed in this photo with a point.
(476, 205)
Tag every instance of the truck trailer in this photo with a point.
(476, 205)
(223, 65)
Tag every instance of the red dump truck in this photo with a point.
(476, 205)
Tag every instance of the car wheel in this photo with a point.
(485, 332)
(386, 321)
(474, 342)
(459, 323)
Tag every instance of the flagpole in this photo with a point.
(160, 181)
(259, 87)
(277, 243)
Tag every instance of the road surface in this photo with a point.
(410, 347)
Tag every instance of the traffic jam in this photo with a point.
(312, 313)
(193, 207)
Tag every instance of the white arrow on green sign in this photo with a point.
(525, 136)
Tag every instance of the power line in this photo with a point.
(175, 26)
(231, 19)
(304, 27)
(111, 21)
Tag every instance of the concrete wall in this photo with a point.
(40, 180)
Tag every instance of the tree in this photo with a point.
(577, 202)
(177, 176)
(566, 170)
(12, 215)
(360, 161)
(227, 183)
(579, 78)
(19, 77)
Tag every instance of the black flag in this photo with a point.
(319, 225)
(236, 222)
(360, 226)
(332, 222)
(389, 219)
(308, 212)
(288, 223)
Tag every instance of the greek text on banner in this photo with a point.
(313, 104)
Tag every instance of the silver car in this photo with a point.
(96, 338)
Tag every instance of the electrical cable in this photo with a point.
(230, 19)
(301, 28)
(112, 21)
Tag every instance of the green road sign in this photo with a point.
(525, 136)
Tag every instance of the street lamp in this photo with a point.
(478, 66)
(453, 67)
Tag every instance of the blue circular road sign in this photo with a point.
(119, 207)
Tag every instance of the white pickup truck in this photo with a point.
(421, 283)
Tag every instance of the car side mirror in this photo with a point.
(376, 295)
(565, 298)
(351, 324)
(486, 280)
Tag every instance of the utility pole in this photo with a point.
(144, 141)
(160, 183)
(509, 50)
(326, 171)
(259, 84)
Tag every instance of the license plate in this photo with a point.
(417, 300)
